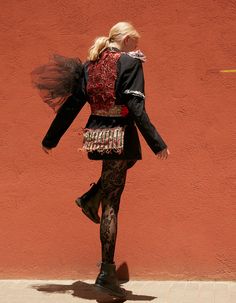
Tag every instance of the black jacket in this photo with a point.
(129, 90)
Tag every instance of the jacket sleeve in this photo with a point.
(133, 94)
(65, 116)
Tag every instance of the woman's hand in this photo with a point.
(163, 154)
(47, 150)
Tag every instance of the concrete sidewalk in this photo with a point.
(63, 291)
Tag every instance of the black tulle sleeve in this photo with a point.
(57, 79)
(66, 114)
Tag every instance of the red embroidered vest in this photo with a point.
(102, 75)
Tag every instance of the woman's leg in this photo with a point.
(90, 201)
(112, 184)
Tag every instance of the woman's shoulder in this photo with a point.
(133, 57)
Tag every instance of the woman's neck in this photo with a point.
(115, 45)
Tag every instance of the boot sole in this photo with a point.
(109, 291)
(88, 214)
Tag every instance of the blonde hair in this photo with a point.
(116, 34)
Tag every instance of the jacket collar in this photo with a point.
(113, 49)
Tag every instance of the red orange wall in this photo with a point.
(177, 216)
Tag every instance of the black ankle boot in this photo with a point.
(90, 201)
(107, 281)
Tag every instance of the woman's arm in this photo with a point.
(63, 120)
(134, 97)
(66, 114)
(137, 110)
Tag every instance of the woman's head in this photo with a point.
(122, 35)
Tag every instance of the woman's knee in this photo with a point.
(110, 208)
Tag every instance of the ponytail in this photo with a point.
(116, 34)
(99, 45)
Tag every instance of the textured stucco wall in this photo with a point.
(177, 216)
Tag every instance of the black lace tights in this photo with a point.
(112, 185)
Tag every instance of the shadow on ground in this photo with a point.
(88, 291)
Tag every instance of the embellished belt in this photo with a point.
(114, 111)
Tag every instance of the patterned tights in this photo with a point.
(112, 184)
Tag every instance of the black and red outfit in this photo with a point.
(114, 87)
(114, 81)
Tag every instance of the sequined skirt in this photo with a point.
(111, 138)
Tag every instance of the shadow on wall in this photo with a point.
(88, 291)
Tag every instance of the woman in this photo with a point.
(112, 82)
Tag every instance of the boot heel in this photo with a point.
(107, 281)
